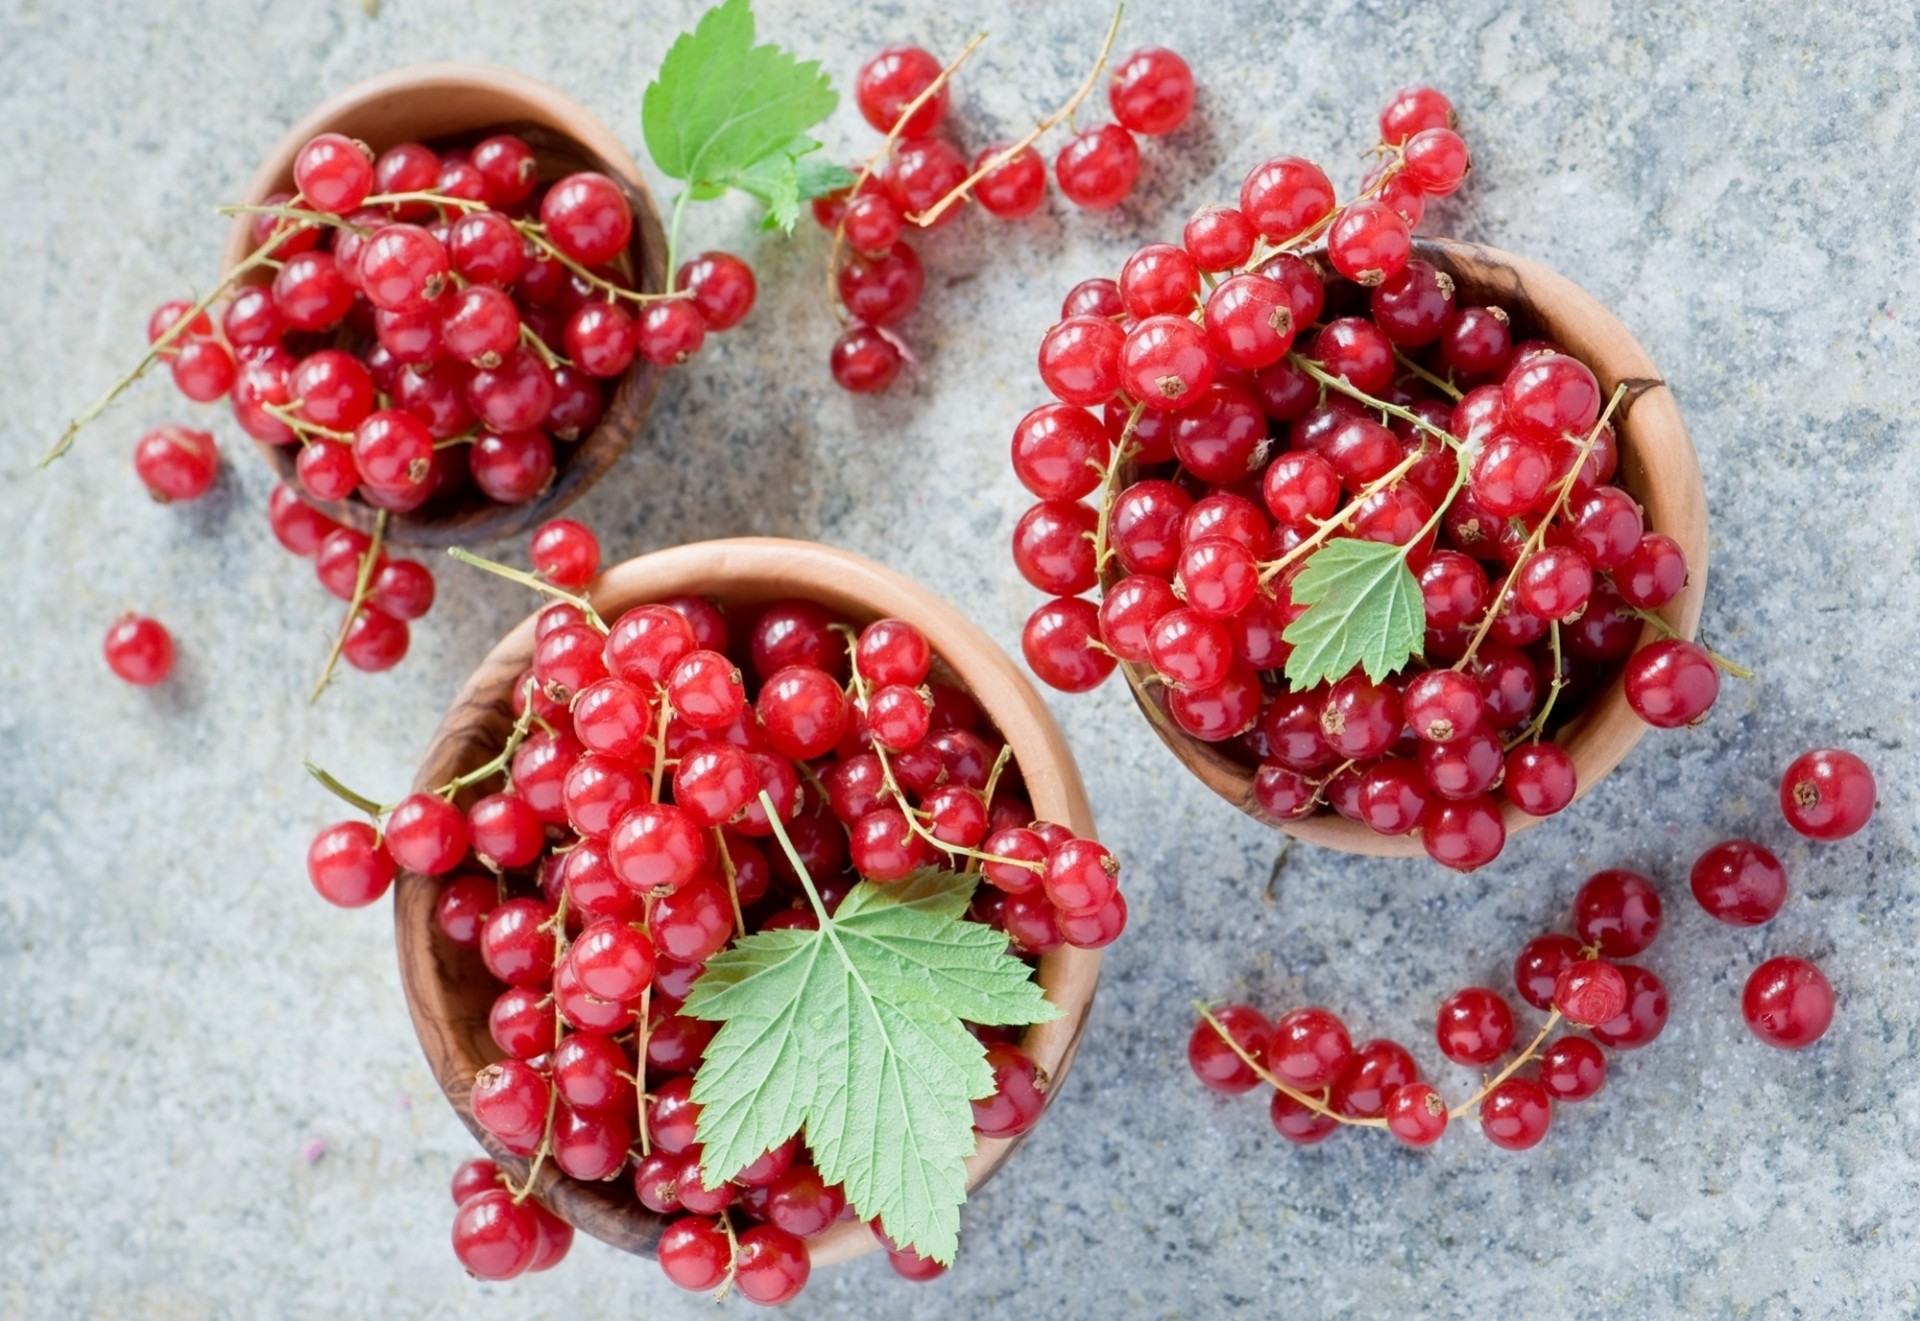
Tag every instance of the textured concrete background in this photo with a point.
(180, 1017)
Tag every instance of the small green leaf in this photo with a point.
(721, 104)
(855, 1034)
(786, 178)
(1363, 608)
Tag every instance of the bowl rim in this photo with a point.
(1653, 438)
(481, 711)
(525, 100)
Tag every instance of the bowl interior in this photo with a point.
(1657, 465)
(461, 103)
(449, 990)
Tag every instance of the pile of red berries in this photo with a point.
(1254, 401)
(1322, 1081)
(628, 845)
(437, 323)
(918, 181)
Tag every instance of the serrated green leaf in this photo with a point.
(721, 103)
(784, 179)
(1363, 608)
(854, 1034)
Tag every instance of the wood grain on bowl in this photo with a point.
(435, 102)
(449, 990)
(1658, 467)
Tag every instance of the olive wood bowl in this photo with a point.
(449, 990)
(433, 103)
(1658, 467)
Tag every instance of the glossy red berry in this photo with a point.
(1537, 968)
(1474, 1026)
(864, 361)
(333, 173)
(427, 834)
(889, 82)
(495, 1237)
(139, 650)
(1572, 1069)
(1827, 794)
(565, 553)
(1016, 187)
(348, 864)
(1590, 992)
(1411, 110)
(1619, 911)
(1309, 1049)
(1644, 1016)
(1286, 196)
(1787, 1003)
(1152, 91)
(1166, 362)
(587, 217)
(1515, 1115)
(1739, 882)
(1670, 683)
(1056, 642)
(1097, 168)
(1416, 1115)
(1217, 1064)
(722, 286)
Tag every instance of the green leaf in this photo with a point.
(1363, 608)
(721, 104)
(794, 174)
(855, 1034)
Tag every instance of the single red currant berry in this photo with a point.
(1299, 1123)
(1671, 683)
(1019, 1094)
(1097, 297)
(348, 865)
(495, 1237)
(427, 834)
(1219, 238)
(1354, 349)
(333, 173)
(1215, 1063)
(804, 1204)
(770, 1266)
(1080, 359)
(864, 361)
(1369, 243)
(1416, 1114)
(695, 1253)
(671, 332)
(1619, 911)
(889, 82)
(1166, 362)
(1572, 1069)
(474, 1176)
(1551, 395)
(203, 370)
(1250, 321)
(1151, 91)
(1378, 1069)
(1412, 110)
(1644, 1016)
(566, 553)
(1286, 196)
(1537, 968)
(1515, 1115)
(1309, 1049)
(1412, 308)
(722, 286)
(1053, 547)
(1590, 992)
(1057, 642)
(1474, 1026)
(1097, 168)
(463, 907)
(506, 164)
(1160, 278)
(1016, 187)
(1555, 583)
(1081, 876)
(1463, 834)
(1435, 159)
(1787, 1003)
(1827, 794)
(1739, 882)
(139, 650)
(587, 217)
(1540, 778)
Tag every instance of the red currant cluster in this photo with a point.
(1322, 1081)
(1255, 405)
(595, 886)
(435, 321)
(917, 181)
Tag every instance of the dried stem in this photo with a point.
(526, 579)
(362, 584)
(962, 189)
(1317, 1104)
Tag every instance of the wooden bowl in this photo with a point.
(1657, 465)
(432, 103)
(449, 990)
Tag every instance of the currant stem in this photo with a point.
(362, 583)
(1313, 1103)
(500, 760)
(1537, 537)
(540, 349)
(905, 117)
(1270, 569)
(534, 232)
(1340, 385)
(1040, 129)
(1538, 725)
(733, 879)
(658, 741)
(289, 413)
(295, 213)
(1666, 630)
(558, 925)
(1440, 383)
(340, 791)
(1109, 480)
(799, 867)
(160, 345)
(1513, 1067)
(526, 579)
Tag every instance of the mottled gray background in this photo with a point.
(180, 1017)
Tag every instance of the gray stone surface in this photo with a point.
(180, 1019)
